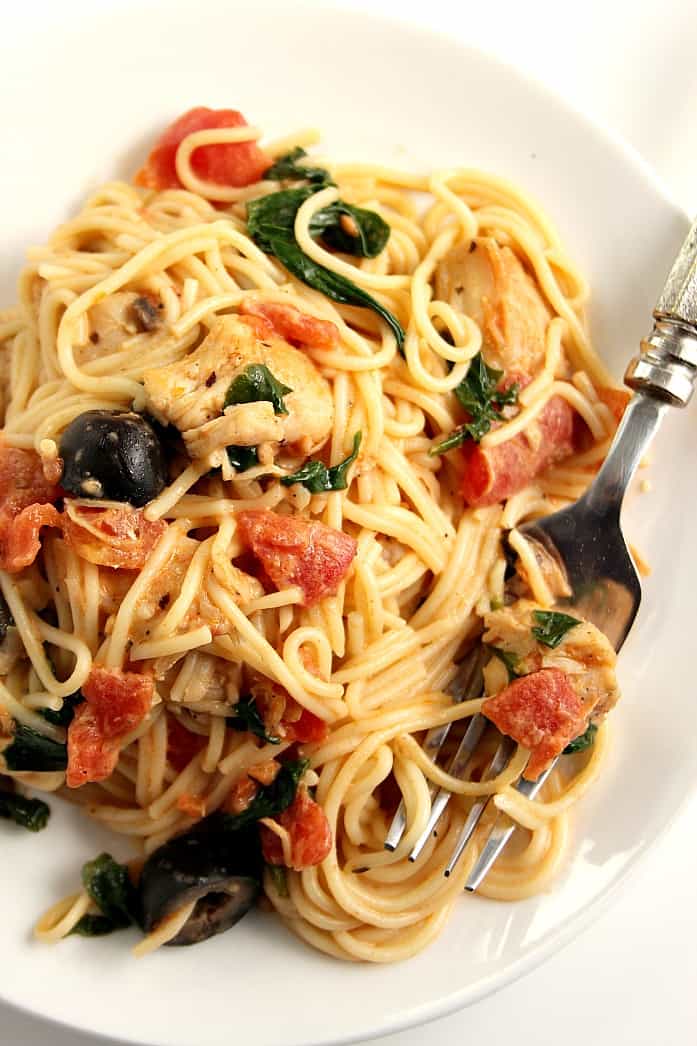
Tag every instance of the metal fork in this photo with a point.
(586, 540)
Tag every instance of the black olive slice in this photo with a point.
(219, 869)
(113, 455)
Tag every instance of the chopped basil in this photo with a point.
(317, 478)
(242, 458)
(509, 661)
(32, 751)
(32, 814)
(271, 224)
(478, 395)
(256, 384)
(109, 885)
(271, 799)
(64, 715)
(352, 230)
(287, 169)
(279, 877)
(247, 717)
(583, 741)
(552, 626)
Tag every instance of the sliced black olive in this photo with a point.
(219, 869)
(112, 454)
(6, 619)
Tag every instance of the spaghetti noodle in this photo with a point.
(146, 282)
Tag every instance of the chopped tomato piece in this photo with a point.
(295, 326)
(19, 535)
(182, 744)
(192, 805)
(540, 711)
(495, 473)
(296, 551)
(111, 537)
(116, 702)
(307, 728)
(309, 831)
(615, 399)
(240, 795)
(22, 481)
(26, 498)
(233, 164)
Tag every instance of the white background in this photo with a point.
(631, 978)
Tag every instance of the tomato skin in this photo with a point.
(298, 328)
(309, 831)
(128, 538)
(231, 164)
(26, 505)
(542, 712)
(182, 744)
(308, 729)
(494, 473)
(20, 541)
(295, 551)
(116, 702)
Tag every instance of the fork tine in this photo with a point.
(502, 832)
(501, 756)
(466, 681)
(469, 742)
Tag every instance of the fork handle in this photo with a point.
(667, 366)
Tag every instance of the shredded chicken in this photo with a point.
(584, 654)
(190, 394)
(489, 284)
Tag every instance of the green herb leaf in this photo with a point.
(362, 233)
(583, 741)
(64, 715)
(32, 814)
(109, 885)
(32, 751)
(552, 627)
(247, 717)
(317, 478)
(270, 223)
(255, 384)
(93, 926)
(286, 168)
(242, 458)
(279, 878)
(509, 661)
(479, 397)
(272, 799)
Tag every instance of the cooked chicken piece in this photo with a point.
(488, 283)
(584, 655)
(190, 394)
(118, 317)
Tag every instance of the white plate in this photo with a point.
(89, 92)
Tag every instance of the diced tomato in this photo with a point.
(295, 326)
(111, 537)
(19, 535)
(182, 744)
(615, 399)
(22, 481)
(192, 805)
(116, 702)
(296, 551)
(495, 473)
(26, 498)
(233, 164)
(307, 729)
(309, 831)
(240, 795)
(540, 711)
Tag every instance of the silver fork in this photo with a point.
(586, 539)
